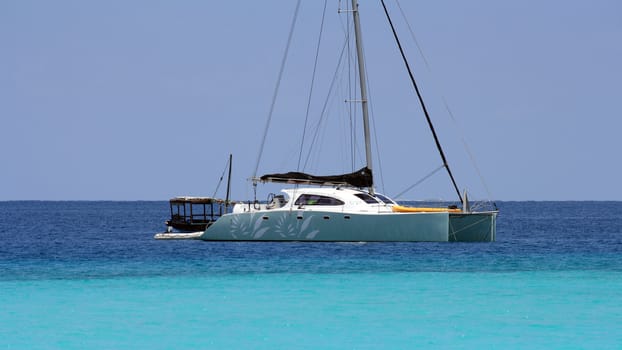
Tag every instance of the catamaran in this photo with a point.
(346, 207)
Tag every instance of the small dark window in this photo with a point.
(385, 199)
(367, 198)
(313, 199)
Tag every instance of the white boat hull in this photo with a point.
(327, 226)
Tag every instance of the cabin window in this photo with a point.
(384, 198)
(313, 199)
(367, 198)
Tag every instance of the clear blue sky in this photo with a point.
(126, 100)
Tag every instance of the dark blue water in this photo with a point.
(76, 275)
(64, 240)
(114, 239)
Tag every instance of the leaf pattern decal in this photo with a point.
(306, 223)
(260, 233)
(285, 224)
(257, 223)
(312, 234)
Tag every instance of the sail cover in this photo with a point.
(359, 178)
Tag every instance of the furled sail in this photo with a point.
(359, 178)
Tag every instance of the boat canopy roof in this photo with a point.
(359, 178)
(196, 200)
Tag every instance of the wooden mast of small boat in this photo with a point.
(361, 64)
(229, 181)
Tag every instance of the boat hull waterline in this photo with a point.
(327, 226)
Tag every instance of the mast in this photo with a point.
(229, 180)
(361, 64)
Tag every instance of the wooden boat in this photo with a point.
(191, 214)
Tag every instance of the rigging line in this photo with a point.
(425, 111)
(221, 177)
(322, 114)
(471, 156)
(351, 86)
(317, 54)
(419, 182)
(351, 93)
(345, 124)
(363, 91)
(412, 33)
(276, 88)
(373, 121)
(321, 128)
(463, 139)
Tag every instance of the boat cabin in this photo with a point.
(191, 214)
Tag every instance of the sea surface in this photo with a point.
(89, 275)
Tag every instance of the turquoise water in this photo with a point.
(544, 310)
(553, 280)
